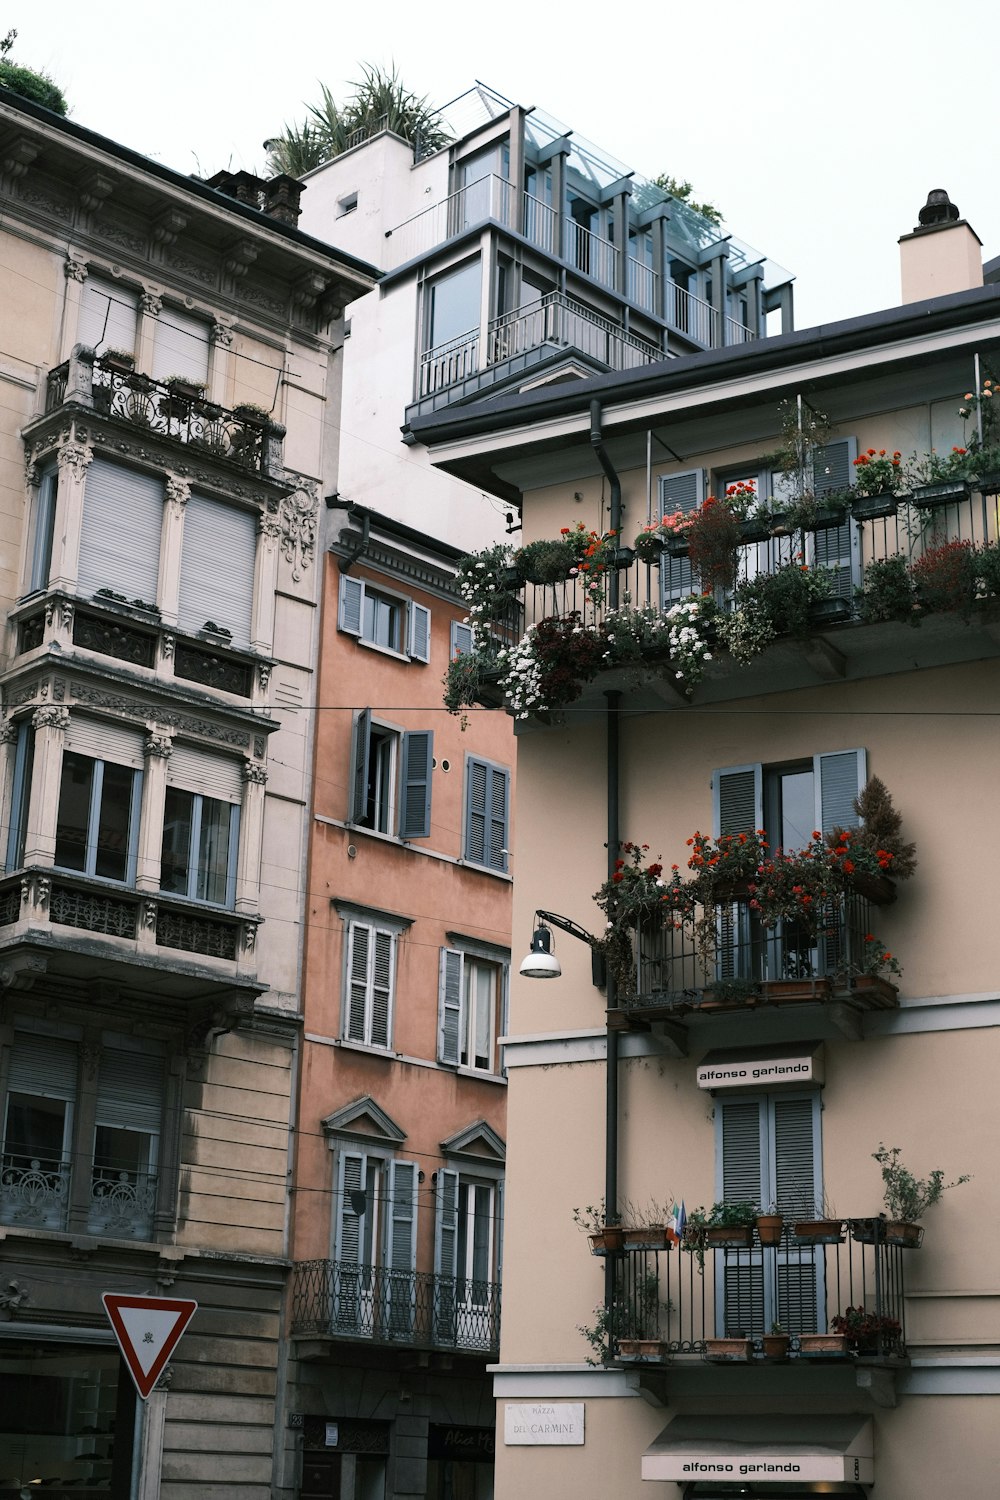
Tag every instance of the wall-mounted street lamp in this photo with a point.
(541, 963)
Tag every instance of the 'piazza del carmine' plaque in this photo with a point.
(539, 1422)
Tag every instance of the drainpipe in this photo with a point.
(613, 778)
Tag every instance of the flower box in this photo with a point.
(624, 557)
(755, 529)
(910, 1236)
(607, 1241)
(819, 1232)
(769, 1227)
(796, 991)
(828, 518)
(823, 1345)
(677, 546)
(830, 611)
(868, 1231)
(119, 363)
(946, 492)
(874, 508)
(649, 547)
(185, 390)
(728, 1351)
(774, 1346)
(874, 990)
(781, 524)
(988, 483)
(647, 1237)
(729, 1236)
(878, 889)
(647, 1349)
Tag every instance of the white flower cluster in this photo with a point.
(688, 644)
(521, 676)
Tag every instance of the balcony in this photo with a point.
(340, 1300)
(702, 1302)
(241, 438)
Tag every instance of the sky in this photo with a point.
(818, 130)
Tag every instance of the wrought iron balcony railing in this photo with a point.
(340, 1299)
(35, 1194)
(681, 1300)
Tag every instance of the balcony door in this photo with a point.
(466, 1265)
(375, 1276)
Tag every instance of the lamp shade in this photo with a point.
(541, 962)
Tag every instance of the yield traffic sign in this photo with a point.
(147, 1330)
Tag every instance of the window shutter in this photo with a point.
(684, 492)
(362, 746)
(194, 770)
(418, 752)
(104, 741)
(217, 567)
(475, 812)
(742, 1151)
(504, 1012)
(450, 1005)
(402, 1247)
(130, 1091)
(496, 854)
(461, 639)
(180, 346)
(420, 632)
(795, 1188)
(352, 598)
(738, 799)
(486, 815)
(838, 778)
(837, 546)
(108, 315)
(120, 533)
(358, 945)
(833, 466)
(385, 943)
(499, 1230)
(42, 1065)
(446, 1228)
(352, 1181)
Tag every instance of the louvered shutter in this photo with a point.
(362, 750)
(794, 1187)
(217, 567)
(351, 1192)
(130, 1091)
(108, 315)
(684, 492)
(486, 814)
(216, 776)
(401, 1249)
(499, 1229)
(461, 639)
(120, 533)
(420, 632)
(738, 799)
(838, 778)
(415, 817)
(381, 988)
(180, 346)
(475, 813)
(497, 819)
(43, 1065)
(445, 1255)
(104, 741)
(504, 1012)
(837, 547)
(359, 942)
(450, 978)
(351, 608)
(743, 1147)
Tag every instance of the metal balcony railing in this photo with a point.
(448, 364)
(340, 1299)
(690, 315)
(643, 283)
(589, 253)
(34, 1191)
(489, 197)
(674, 1301)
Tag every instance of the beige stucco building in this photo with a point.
(170, 349)
(769, 1063)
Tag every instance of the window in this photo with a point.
(126, 1141)
(38, 1131)
(42, 529)
(347, 205)
(487, 797)
(218, 556)
(391, 769)
(201, 823)
(369, 982)
(467, 1258)
(121, 528)
(180, 346)
(97, 823)
(768, 1150)
(24, 756)
(390, 621)
(109, 314)
(452, 305)
(376, 1245)
(472, 1006)
(461, 639)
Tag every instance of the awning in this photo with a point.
(768, 1449)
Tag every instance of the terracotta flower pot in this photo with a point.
(769, 1227)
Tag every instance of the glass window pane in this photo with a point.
(114, 822)
(35, 1129)
(213, 852)
(75, 791)
(453, 307)
(798, 809)
(175, 855)
(382, 621)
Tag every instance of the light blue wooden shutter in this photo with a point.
(486, 814)
(461, 639)
(418, 754)
(837, 547)
(362, 749)
(684, 492)
(741, 1164)
(217, 567)
(450, 978)
(108, 315)
(794, 1187)
(359, 937)
(420, 632)
(738, 799)
(383, 960)
(120, 535)
(350, 1279)
(401, 1249)
(351, 607)
(837, 779)
(180, 346)
(445, 1255)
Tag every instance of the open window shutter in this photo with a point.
(738, 799)
(130, 1090)
(496, 856)
(461, 639)
(120, 533)
(445, 1255)
(837, 546)
(499, 1230)
(104, 741)
(350, 1194)
(684, 492)
(217, 567)
(420, 632)
(108, 315)
(475, 812)
(385, 943)
(362, 746)
(838, 778)
(359, 938)
(415, 818)
(352, 598)
(486, 814)
(504, 1012)
(42, 1065)
(180, 346)
(450, 1005)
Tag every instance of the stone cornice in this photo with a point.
(398, 564)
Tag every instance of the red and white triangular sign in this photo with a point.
(147, 1330)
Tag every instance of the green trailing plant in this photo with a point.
(940, 468)
(713, 535)
(547, 560)
(633, 1317)
(772, 605)
(907, 1197)
(29, 83)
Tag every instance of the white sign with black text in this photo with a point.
(741, 1073)
(538, 1423)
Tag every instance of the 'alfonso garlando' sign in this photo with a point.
(777, 1468)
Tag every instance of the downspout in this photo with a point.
(613, 777)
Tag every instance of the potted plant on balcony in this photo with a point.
(249, 411)
(770, 1226)
(867, 1332)
(941, 480)
(823, 1345)
(121, 361)
(545, 561)
(606, 1235)
(647, 1228)
(713, 537)
(887, 592)
(183, 388)
(774, 1345)
(656, 536)
(879, 479)
(945, 578)
(825, 1229)
(729, 1225)
(734, 1348)
(907, 1198)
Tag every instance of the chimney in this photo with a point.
(943, 253)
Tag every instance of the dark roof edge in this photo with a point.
(187, 184)
(695, 370)
(397, 529)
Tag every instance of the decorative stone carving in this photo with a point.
(94, 189)
(249, 936)
(74, 270)
(151, 304)
(50, 610)
(13, 1296)
(58, 689)
(264, 675)
(149, 915)
(308, 289)
(168, 226)
(76, 457)
(68, 610)
(18, 154)
(269, 524)
(159, 744)
(167, 646)
(222, 336)
(50, 716)
(298, 530)
(239, 257)
(254, 773)
(43, 890)
(259, 745)
(32, 471)
(91, 1054)
(178, 490)
(8, 731)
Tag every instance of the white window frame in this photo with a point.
(456, 1017)
(414, 618)
(391, 927)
